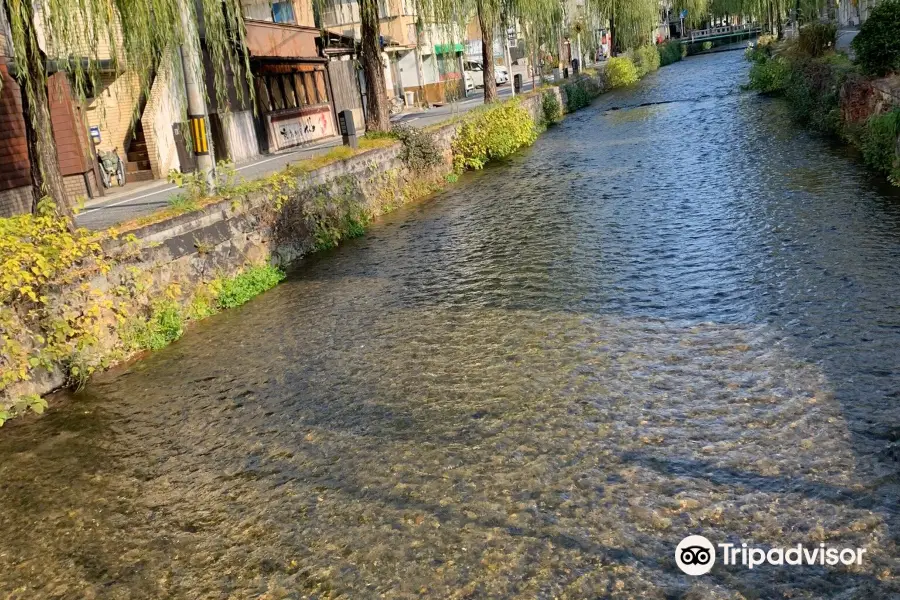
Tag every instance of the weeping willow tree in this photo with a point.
(454, 14)
(771, 13)
(631, 22)
(697, 10)
(89, 39)
(542, 21)
(377, 114)
(487, 11)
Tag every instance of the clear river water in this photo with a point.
(677, 313)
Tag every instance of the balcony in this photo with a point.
(280, 40)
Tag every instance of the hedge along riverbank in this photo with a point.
(829, 93)
(74, 303)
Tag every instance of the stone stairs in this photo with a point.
(137, 165)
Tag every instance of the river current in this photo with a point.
(677, 313)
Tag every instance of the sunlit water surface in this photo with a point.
(676, 314)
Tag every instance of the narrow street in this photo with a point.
(119, 205)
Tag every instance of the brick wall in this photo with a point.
(15, 169)
(76, 190)
(15, 201)
(68, 128)
(113, 109)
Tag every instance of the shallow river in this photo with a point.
(678, 313)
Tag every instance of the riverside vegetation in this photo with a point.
(833, 95)
(78, 301)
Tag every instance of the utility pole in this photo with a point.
(580, 56)
(508, 58)
(420, 72)
(196, 94)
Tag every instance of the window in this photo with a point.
(320, 87)
(310, 85)
(301, 89)
(290, 96)
(291, 90)
(283, 12)
(276, 92)
(262, 94)
(340, 12)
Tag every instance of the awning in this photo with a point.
(448, 48)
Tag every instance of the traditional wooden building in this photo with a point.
(289, 74)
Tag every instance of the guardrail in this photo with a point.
(724, 31)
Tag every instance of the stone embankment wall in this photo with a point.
(176, 258)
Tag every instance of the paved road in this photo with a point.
(844, 37)
(143, 199)
(446, 112)
(117, 208)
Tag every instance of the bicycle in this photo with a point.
(396, 106)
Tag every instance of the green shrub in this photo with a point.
(381, 135)
(670, 52)
(620, 71)
(550, 107)
(817, 38)
(877, 45)
(356, 227)
(646, 60)
(420, 151)
(759, 52)
(164, 326)
(580, 93)
(495, 131)
(201, 306)
(252, 282)
(769, 76)
(707, 45)
(813, 90)
(879, 143)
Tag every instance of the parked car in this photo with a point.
(476, 70)
(470, 82)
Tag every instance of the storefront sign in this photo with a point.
(299, 128)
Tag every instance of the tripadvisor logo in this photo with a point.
(696, 555)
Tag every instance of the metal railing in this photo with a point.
(725, 30)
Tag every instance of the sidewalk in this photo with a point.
(844, 37)
(131, 202)
(135, 200)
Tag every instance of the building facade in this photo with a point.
(289, 74)
(855, 12)
(399, 40)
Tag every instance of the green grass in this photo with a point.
(164, 326)
(241, 288)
